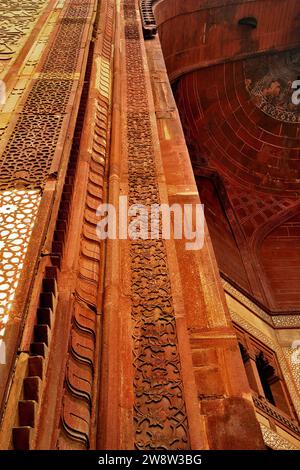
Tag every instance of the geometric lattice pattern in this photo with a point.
(18, 211)
(62, 60)
(29, 152)
(48, 97)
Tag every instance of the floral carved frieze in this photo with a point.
(159, 409)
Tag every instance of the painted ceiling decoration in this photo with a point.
(269, 80)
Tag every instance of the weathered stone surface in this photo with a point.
(129, 344)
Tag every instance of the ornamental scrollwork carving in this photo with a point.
(159, 411)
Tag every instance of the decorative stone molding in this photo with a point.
(29, 404)
(160, 416)
(286, 321)
(273, 412)
(81, 364)
(273, 440)
(247, 302)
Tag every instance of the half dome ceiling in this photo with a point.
(234, 94)
(242, 121)
(241, 126)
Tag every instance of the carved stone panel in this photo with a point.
(159, 411)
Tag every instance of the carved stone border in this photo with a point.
(273, 440)
(273, 412)
(79, 397)
(235, 293)
(159, 406)
(286, 321)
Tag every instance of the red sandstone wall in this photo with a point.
(196, 33)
